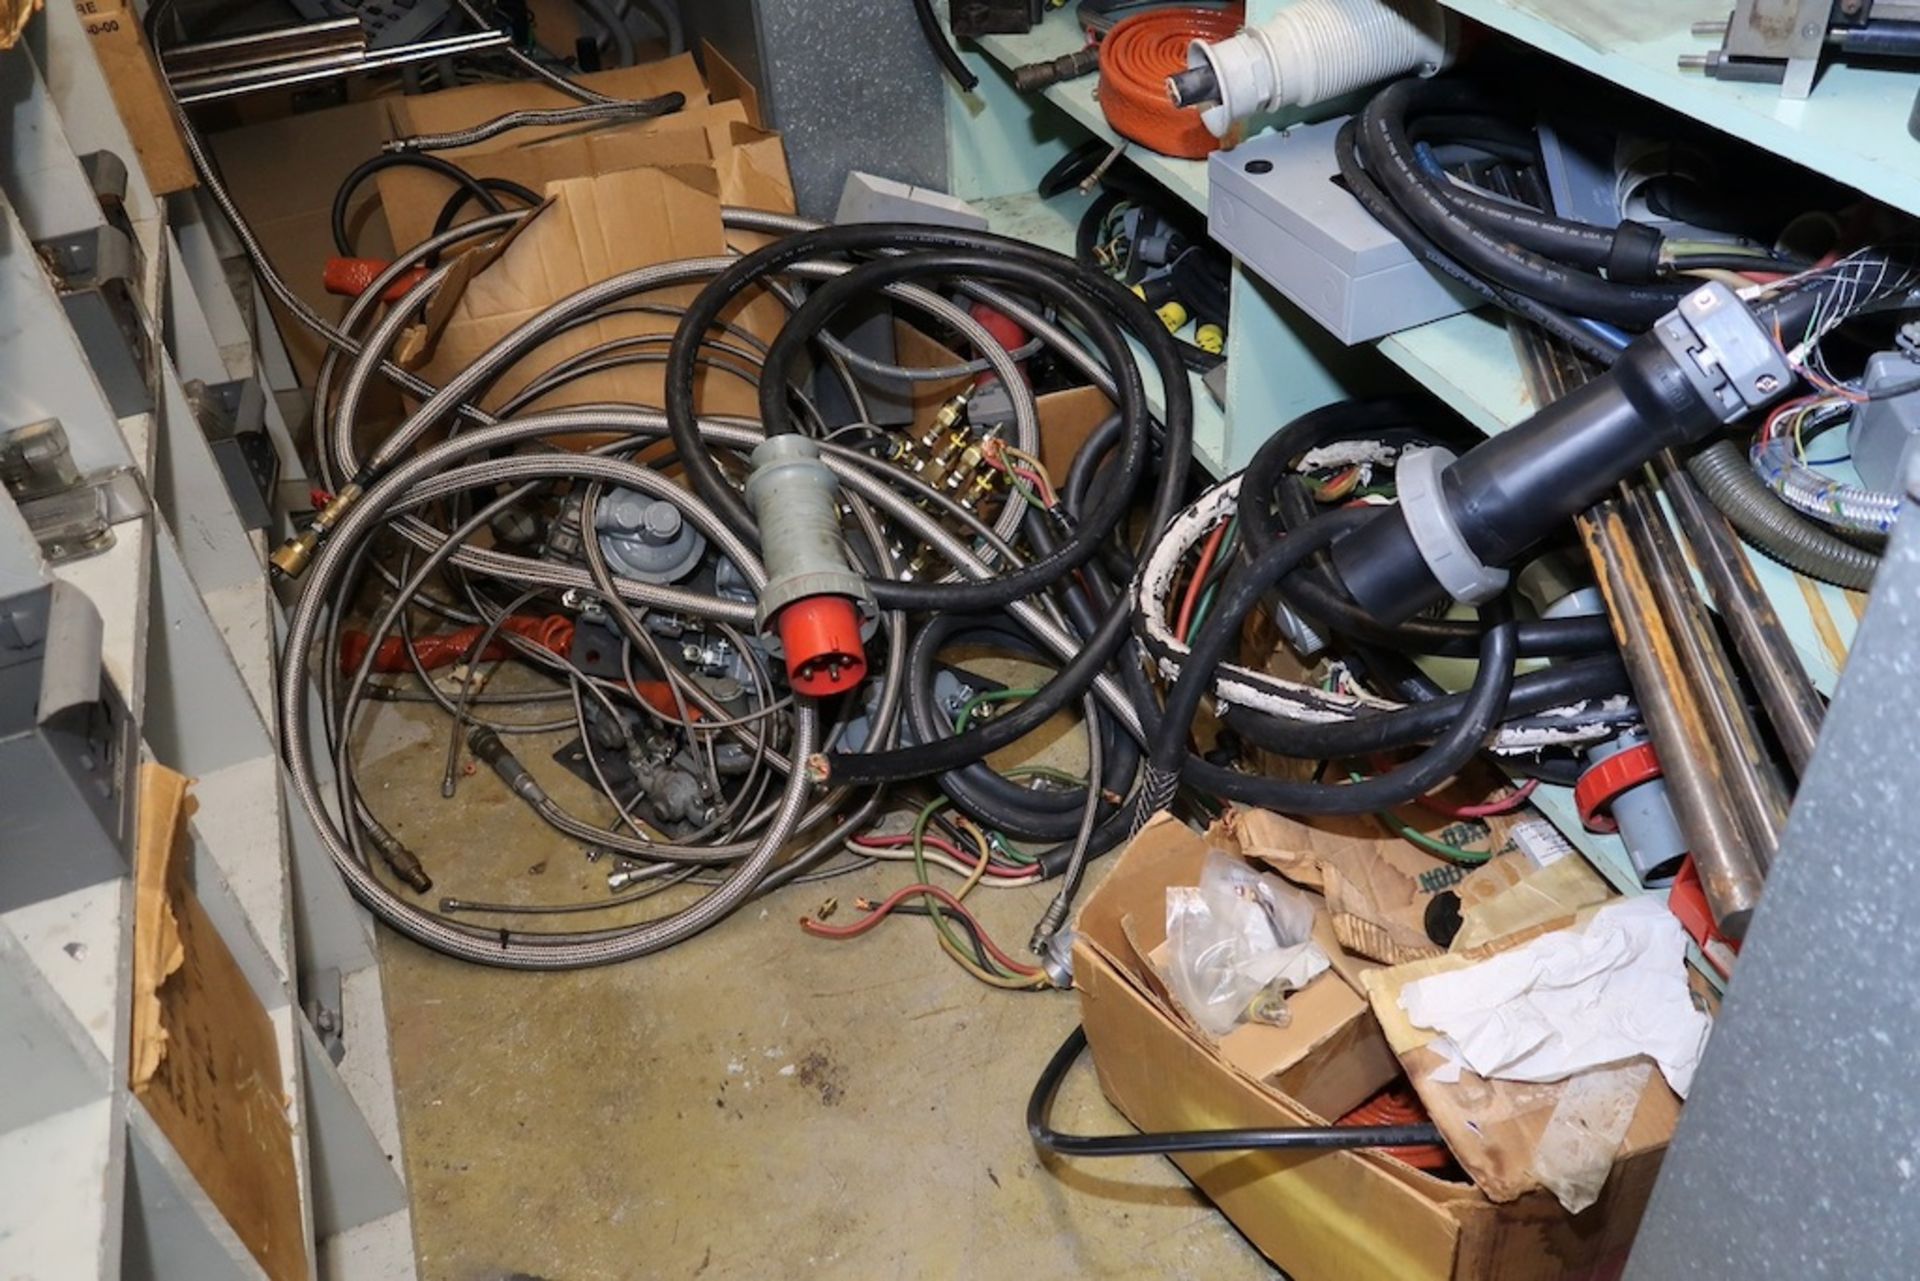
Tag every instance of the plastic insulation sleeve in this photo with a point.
(1833, 502)
(1135, 60)
(1308, 1138)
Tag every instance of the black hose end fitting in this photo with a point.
(1635, 257)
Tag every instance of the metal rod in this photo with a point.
(1729, 872)
(1792, 704)
(233, 84)
(1748, 775)
(259, 47)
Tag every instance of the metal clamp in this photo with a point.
(1724, 351)
(1423, 504)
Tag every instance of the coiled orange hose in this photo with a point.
(1135, 60)
(1399, 1105)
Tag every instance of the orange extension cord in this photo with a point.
(1399, 1105)
(1135, 60)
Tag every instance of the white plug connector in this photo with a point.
(1312, 52)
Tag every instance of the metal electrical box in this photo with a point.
(1276, 203)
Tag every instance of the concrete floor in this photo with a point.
(753, 1103)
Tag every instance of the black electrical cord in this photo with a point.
(1315, 592)
(1307, 1138)
(343, 195)
(1169, 760)
(942, 48)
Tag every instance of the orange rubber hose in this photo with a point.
(1135, 60)
(1399, 1105)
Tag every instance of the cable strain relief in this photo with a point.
(1635, 256)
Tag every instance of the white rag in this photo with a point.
(1572, 1000)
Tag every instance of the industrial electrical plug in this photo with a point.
(816, 604)
(1461, 521)
(1310, 53)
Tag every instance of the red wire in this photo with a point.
(1192, 597)
(895, 840)
(1487, 809)
(822, 930)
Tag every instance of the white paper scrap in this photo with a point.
(1573, 1000)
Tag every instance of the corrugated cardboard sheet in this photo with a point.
(204, 1060)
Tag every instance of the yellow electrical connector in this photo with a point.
(1210, 338)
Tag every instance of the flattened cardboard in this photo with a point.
(600, 227)
(139, 92)
(1329, 1058)
(1337, 1216)
(204, 1060)
(283, 173)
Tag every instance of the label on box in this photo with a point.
(1541, 842)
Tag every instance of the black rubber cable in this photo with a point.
(1310, 1138)
(343, 195)
(942, 47)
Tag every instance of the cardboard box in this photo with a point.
(1330, 1057)
(1337, 1216)
(134, 80)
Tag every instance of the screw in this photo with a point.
(1767, 384)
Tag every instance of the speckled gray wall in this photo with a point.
(849, 82)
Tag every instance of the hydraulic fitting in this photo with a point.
(291, 558)
(1310, 53)
(816, 603)
(404, 863)
(1035, 76)
(488, 747)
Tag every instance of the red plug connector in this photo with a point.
(814, 601)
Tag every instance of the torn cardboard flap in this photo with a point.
(204, 1058)
(1496, 1128)
(599, 228)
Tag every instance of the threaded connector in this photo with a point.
(489, 747)
(1035, 76)
(291, 558)
(404, 863)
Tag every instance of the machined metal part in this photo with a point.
(1730, 873)
(1770, 42)
(1786, 694)
(232, 416)
(1724, 351)
(70, 514)
(312, 68)
(96, 274)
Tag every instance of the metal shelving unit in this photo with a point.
(90, 1185)
(1282, 363)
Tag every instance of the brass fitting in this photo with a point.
(405, 863)
(291, 558)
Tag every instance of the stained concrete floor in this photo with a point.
(753, 1103)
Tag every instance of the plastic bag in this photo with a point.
(1238, 939)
